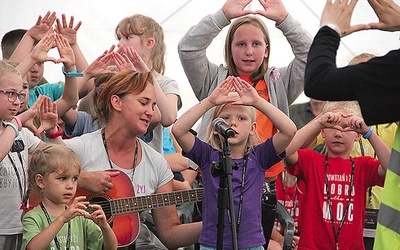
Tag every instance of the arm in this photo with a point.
(285, 126)
(43, 239)
(200, 72)
(310, 131)
(324, 81)
(98, 217)
(38, 54)
(382, 151)
(169, 228)
(34, 34)
(70, 94)
(69, 32)
(181, 128)
(166, 103)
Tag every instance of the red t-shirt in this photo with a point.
(292, 198)
(316, 230)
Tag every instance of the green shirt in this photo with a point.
(85, 234)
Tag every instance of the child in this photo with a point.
(336, 183)
(36, 33)
(247, 184)
(247, 50)
(16, 144)
(54, 172)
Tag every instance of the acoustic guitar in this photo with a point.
(122, 208)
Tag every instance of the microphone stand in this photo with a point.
(225, 195)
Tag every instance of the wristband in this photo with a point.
(72, 73)
(368, 134)
(16, 118)
(10, 124)
(55, 134)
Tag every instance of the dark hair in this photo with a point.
(10, 41)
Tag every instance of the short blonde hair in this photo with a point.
(351, 106)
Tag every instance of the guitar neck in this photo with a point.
(137, 204)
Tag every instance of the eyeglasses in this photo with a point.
(13, 95)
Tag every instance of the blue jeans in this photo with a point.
(203, 247)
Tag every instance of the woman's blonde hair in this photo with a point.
(214, 140)
(146, 27)
(123, 83)
(232, 68)
(49, 159)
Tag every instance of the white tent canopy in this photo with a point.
(99, 19)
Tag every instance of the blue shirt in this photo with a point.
(52, 90)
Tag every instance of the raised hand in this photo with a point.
(388, 13)
(122, 60)
(273, 10)
(248, 94)
(340, 12)
(220, 95)
(42, 26)
(68, 30)
(66, 52)
(27, 117)
(99, 66)
(357, 124)
(136, 59)
(39, 52)
(331, 120)
(236, 8)
(48, 115)
(76, 208)
(97, 216)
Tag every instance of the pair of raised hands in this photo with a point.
(124, 58)
(43, 109)
(340, 12)
(273, 9)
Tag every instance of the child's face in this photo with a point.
(340, 144)
(60, 186)
(134, 41)
(11, 83)
(35, 74)
(239, 119)
(25, 89)
(248, 49)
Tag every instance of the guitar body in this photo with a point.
(125, 225)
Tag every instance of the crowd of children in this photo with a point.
(98, 175)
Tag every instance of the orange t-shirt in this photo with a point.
(265, 128)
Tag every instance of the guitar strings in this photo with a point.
(124, 206)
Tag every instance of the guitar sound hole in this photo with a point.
(105, 205)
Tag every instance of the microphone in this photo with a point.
(219, 125)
